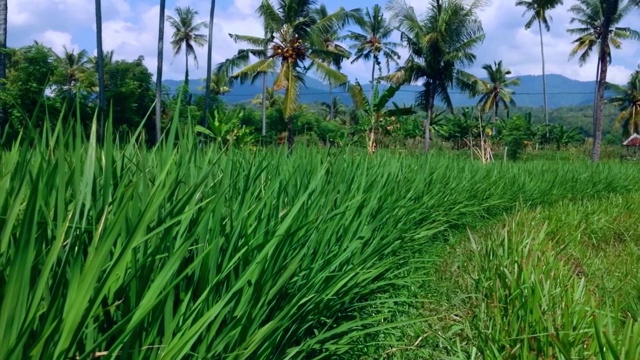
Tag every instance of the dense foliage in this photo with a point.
(190, 251)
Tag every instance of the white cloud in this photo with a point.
(130, 28)
(57, 41)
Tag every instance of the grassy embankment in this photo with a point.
(551, 282)
(186, 252)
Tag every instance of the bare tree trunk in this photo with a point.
(264, 105)
(156, 132)
(4, 116)
(102, 106)
(544, 78)
(207, 92)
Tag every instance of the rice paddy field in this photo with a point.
(192, 252)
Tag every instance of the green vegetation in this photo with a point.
(183, 252)
(124, 236)
(556, 281)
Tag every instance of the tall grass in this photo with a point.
(184, 252)
(557, 283)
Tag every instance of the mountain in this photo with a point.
(561, 92)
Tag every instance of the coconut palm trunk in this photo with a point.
(602, 82)
(331, 107)
(102, 101)
(373, 76)
(186, 71)
(544, 76)
(156, 129)
(207, 93)
(264, 105)
(427, 122)
(3, 63)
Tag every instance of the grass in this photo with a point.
(184, 252)
(555, 282)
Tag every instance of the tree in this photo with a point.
(29, 71)
(290, 52)
(599, 30)
(329, 40)
(538, 10)
(377, 109)
(218, 84)
(207, 91)
(73, 71)
(186, 36)
(495, 92)
(3, 63)
(102, 100)
(158, 105)
(334, 110)
(271, 99)
(130, 90)
(373, 42)
(628, 102)
(440, 44)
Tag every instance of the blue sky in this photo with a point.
(130, 28)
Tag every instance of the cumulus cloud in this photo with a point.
(57, 41)
(130, 29)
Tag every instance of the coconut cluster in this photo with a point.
(293, 51)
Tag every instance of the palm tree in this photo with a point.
(628, 102)
(219, 84)
(440, 44)
(495, 92)
(599, 30)
(185, 35)
(270, 100)
(290, 52)
(158, 117)
(334, 110)
(73, 68)
(329, 40)
(373, 42)
(102, 100)
(3, 61)
(207, 91)
(538, 10)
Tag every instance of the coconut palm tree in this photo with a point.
(102, 100)
(598, 30)
(628, 102)
(495, 92)
(373, 41)
(290, 52)
(73, 68)
(441, 44)
(207, 91)
(539, 13)
(185, 36)
(330, 40)
(158, 117)
(3, 61)
(219, 84)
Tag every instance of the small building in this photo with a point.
(632, 146)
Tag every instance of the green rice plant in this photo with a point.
(183, 251)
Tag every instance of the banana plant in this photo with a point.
(376, 110)
(227, 129)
